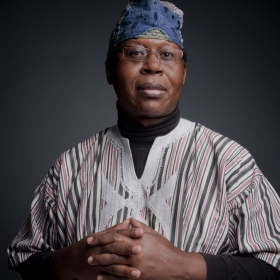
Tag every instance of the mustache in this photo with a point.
(151, 86)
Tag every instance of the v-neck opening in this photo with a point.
(153, 163)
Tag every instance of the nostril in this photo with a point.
(147, 71)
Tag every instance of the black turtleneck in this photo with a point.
(141, 138)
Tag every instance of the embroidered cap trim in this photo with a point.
(154, 33)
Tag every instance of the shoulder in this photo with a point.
(80, 152)
(211, 141)
(234, 164)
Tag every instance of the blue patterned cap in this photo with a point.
(152, 19)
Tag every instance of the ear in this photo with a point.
(185, 73)
(109, 71)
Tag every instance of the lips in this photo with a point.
(149, 86)
(149, 89)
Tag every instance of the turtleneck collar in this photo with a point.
(139, 135)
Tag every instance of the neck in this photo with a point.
(145, 135)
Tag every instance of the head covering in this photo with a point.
(152, 19)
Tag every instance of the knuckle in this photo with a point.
(113, 258)
(128, 248)
(111, 269)
(95, 238)
(115, 236)
(112, 247)
(104, 260)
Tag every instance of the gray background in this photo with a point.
(54, 92)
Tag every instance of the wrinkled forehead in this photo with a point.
(149, 19)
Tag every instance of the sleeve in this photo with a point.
(255, 223)
(245, 267)
(253, 213)
(37, 266)
(39, 231)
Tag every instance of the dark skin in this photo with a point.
(128, 79)
(163, 261)
(127, 253)
(76, 261)
(148, 92)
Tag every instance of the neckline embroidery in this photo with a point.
(153, 164)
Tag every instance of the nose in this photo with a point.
(152, 65)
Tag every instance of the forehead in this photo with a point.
(148, 43)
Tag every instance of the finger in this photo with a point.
(118, 270)
(121, 235)
(122, 225)
(136, 224)
(107, 259)
(121, 248)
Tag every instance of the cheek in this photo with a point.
(125, 78)
(176, 81)
(126, 68)
(176, 75)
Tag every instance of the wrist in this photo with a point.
(61, 265)
(190, 266)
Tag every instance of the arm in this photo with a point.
(159, 259)
(37, 266)
(74, 259)
(170, 262)
(243, 267)
(38, 232)
(33, 251)
(74, 262)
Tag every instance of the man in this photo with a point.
(156, 197)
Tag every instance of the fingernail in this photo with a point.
(90, 239)
(99, 277)
(136, 249)
(139, 232)
(135, 274)
(90, 260)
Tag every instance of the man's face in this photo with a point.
(147, 91)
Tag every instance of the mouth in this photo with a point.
(152, 90)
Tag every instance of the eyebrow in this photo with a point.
(160, 47)
(134, 42)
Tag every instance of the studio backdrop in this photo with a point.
(54, 92)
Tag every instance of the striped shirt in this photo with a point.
(201, 190)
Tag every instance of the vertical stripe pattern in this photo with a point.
(201, 190)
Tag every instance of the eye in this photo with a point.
(166, 54)
(136, 53)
